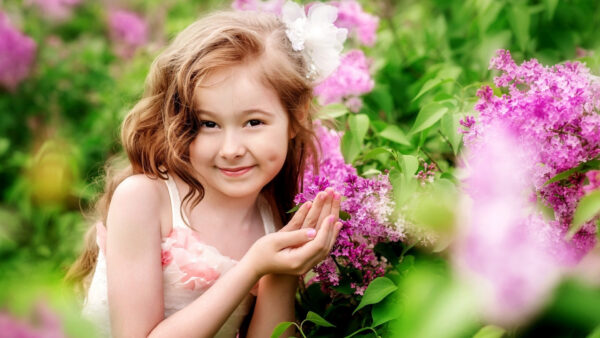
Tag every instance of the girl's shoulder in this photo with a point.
(140, 198)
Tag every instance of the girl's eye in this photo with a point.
(207, 124)
(254, 123)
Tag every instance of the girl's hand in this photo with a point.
(296, 250)
(326, 203)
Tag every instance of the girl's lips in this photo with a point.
(234, 172)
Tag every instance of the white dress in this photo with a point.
(190, 267)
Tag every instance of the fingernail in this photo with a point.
(338, 225)
(311, 233)
(308, 204)
(336, 196)
(331, 219)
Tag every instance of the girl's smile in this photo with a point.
(235, 172)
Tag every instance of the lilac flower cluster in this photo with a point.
(17, 52)
(554, 111)
(507, 254)
(427, 174)
(55, 9)
(48, 324)
(128, 30)
(357, 21)
(351, 79)
(369, 204)
(271, 6)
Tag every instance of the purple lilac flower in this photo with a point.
(128, 30)
(17, 52)
(351, 78)
(367, 201)
(554, 111)
(467, 122)
(271, 6)
(55, 9)
(427, 174)
(509, 254)
(48, 325)
(354, 104)
(358, 22)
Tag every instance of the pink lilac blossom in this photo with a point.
(128, 30)
(17, 52)
(351, 78)
(48, 325)
(369, 203)
(427, 174)
(506, 252)
(554, 110)
(55, 9)
(357, 21)
(271, 6)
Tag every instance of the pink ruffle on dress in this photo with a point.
(190, 267)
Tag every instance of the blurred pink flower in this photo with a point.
(354, 104)
(48, 324)
(128, 30)
(55, 9)
(272, 6)
(17, 52)
(351, 78)
(358, 22)
(508, 252)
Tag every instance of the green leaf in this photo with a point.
(294, 209)
(550, 8)
(359, 124)
(409, 165)
(376, 153)
(395, 134)
(595, 333)
(490, 331)
(583, 167)
(588, 207)
(344, 215)
(427, 116)
(449, 127)
(332, 111)
(350, 148)
(315, 318)
(377, 290)
(386, 310)
(280, 328)
(519, 18)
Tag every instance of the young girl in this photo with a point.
(225, 122)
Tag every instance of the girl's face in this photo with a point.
(243, 139)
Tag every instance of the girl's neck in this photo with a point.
(222, 211)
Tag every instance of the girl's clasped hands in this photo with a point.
(300, 245)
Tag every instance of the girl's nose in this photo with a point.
(232, 146)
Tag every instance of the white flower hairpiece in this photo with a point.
(316, 36)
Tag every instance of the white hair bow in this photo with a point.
(320, 41)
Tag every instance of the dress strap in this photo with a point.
(175, 203)
(266, 214)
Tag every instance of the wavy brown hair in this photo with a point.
(156, 134)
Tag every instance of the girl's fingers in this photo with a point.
(326, 210)
(293, 238)
(335, 206)
(298, 219)
(315, 211)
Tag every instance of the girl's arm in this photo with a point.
(276, 292)
(134, 268)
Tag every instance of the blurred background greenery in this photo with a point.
(61, 123)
